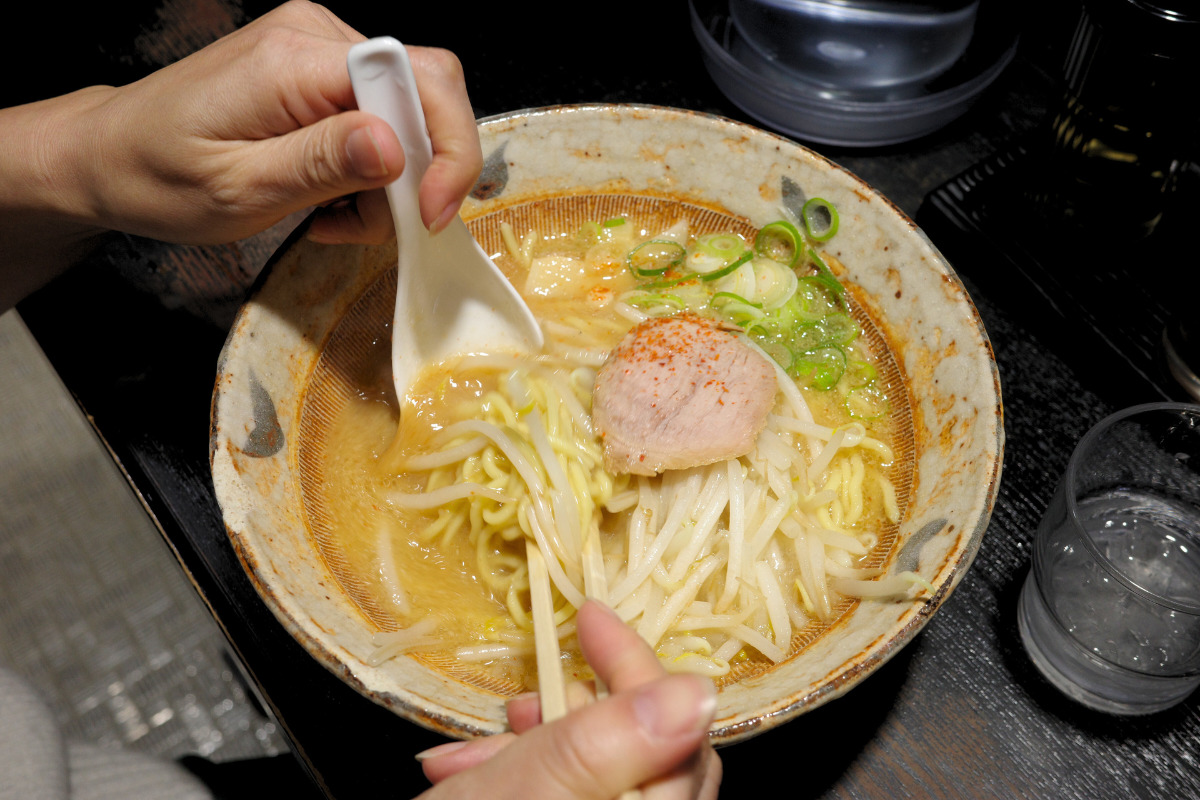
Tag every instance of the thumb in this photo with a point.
(337, 156)
(597, 752)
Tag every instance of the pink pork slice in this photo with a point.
(679, 392)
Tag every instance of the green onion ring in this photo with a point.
(669, 281)
(730, 297)
(655, 257)
(650, 300)
(721, 245)
(824, 273)
(822, 366)
(728, 268)
(809, 212)
(779, 241)
(866, 402)
(781, 353)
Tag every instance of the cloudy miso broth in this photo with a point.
(461, 563)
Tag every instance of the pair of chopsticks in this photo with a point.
(552, 690)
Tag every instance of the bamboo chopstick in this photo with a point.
(552, 689)
(595, 586)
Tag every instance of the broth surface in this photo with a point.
(351, 417)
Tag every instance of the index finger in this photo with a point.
(457, 158)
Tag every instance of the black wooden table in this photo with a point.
(960, 712)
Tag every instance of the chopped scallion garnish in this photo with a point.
(779, 291)
(727, 246)
(728, 268)
(655, 257)
(824, 274)
(822, 368)
(820, 219)
(780, 241)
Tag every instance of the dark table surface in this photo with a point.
(960, 712)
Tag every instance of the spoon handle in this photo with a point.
(384, 85)
(451, 299)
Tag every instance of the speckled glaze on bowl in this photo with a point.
(905, 284)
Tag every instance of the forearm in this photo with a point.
(221, 145)
(50, 208)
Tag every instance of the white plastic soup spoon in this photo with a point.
(451, 299)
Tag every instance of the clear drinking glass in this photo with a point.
(1110, 612)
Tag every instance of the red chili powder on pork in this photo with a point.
(680, 392)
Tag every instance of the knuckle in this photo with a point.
(301, 10)
(228, 188)
(320, 164)
(238, 194)
(276, 45)
(230, 203)
(443, 63)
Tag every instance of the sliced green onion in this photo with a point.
(860, 373)
(736, 308)
(613, 222)
(780, 241)
(774, 283)
(740, 282)
(822, 368)
(740, 314)
(727, 246)
(720, 299)
(824, 274)
(834, 330)
(815, 298)
(648, 300)
(840, 328)
(669, 279)
(716, 252)
(780, 352)
(589, 231)
(820, 219)
(809, 336)
(765, 328)
(655, 257)
(728, 268)
(866, 402)
(702, 263)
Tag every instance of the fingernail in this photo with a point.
(676, 706)
(440, 750)
(365, 155)
(444, 218)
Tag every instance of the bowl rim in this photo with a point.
(949, 574)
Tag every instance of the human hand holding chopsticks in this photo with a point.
(649, 732)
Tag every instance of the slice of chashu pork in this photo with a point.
(679, 392)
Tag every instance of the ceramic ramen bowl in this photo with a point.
(280, 369)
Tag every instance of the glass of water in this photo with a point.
(1110, 612)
